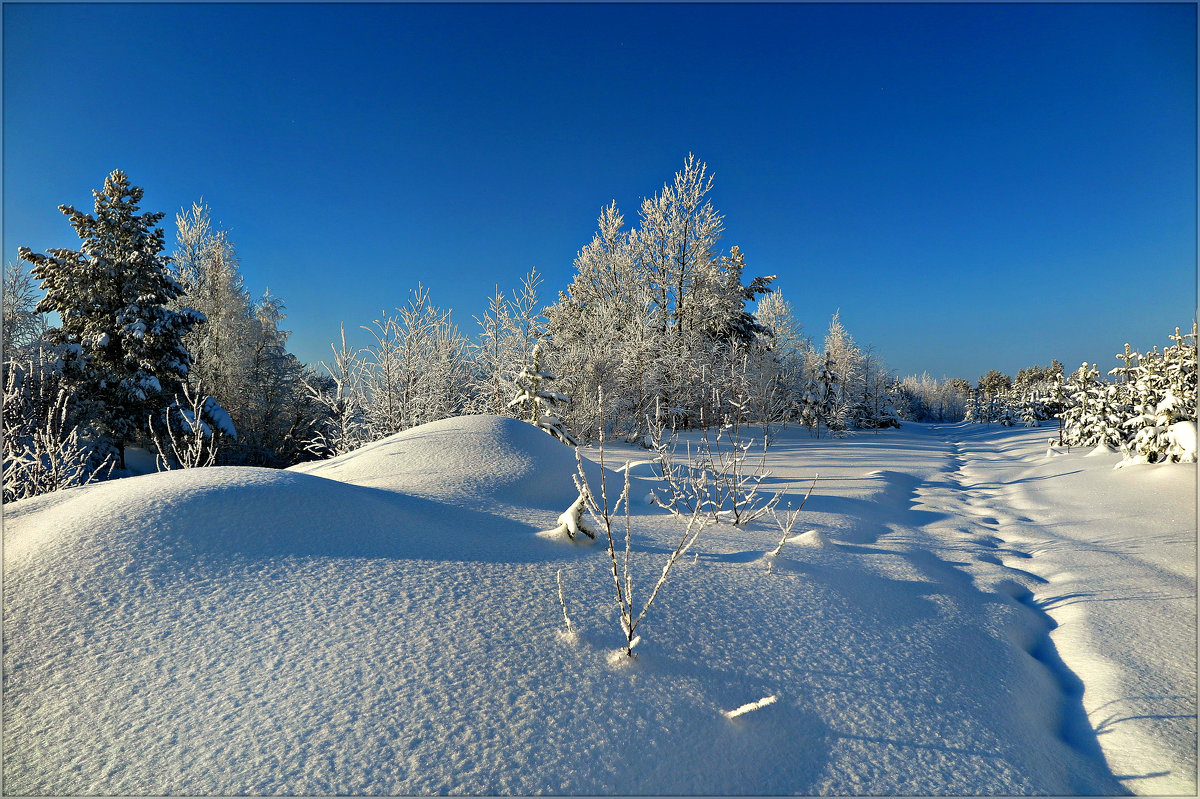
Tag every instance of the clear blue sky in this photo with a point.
(974, 186)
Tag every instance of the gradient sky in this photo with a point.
(975, 186)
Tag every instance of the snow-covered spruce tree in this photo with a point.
(1083, 419)
(830, 410)
(538, 401)
(810, 408)
(123, 343)
(971, 413)
(993, 388)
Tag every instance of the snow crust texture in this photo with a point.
(967, 616)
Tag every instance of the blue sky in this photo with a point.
(975, 186)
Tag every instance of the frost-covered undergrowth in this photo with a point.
(389, 623)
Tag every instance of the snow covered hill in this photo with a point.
(388, 623)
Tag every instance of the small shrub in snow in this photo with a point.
(604, 513)
(570, 521)
(789, 519)
(722, 481)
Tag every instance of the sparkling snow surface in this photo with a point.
(970, 616)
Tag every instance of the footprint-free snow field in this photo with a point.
(960, 611)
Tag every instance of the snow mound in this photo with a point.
(811, 538)
(463, 459)
(168, 520)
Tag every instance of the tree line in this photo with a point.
(659, 327)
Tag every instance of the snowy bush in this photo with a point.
(191, 430)
(723, 479)
(1147, 413)
(43, 451)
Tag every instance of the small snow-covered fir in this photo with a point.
(538, 400)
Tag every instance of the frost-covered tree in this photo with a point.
(23, 325)
(342, 398)
(921, 398)
(417, 371)
(280, 414)
(508, 331)
(652, 312)
(208, 268)
(845, 365)
(605, 332)
(121, 342)
(382, 367)
(780, 355)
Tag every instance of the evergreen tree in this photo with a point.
(121, 342)
(538, 400)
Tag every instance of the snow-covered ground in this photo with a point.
(970, 616)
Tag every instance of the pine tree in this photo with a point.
(122, 344)
(830, 410)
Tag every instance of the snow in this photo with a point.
(1182, 438)
(219, 417)
(963, 615)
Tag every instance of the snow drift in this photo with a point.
(471, 459)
